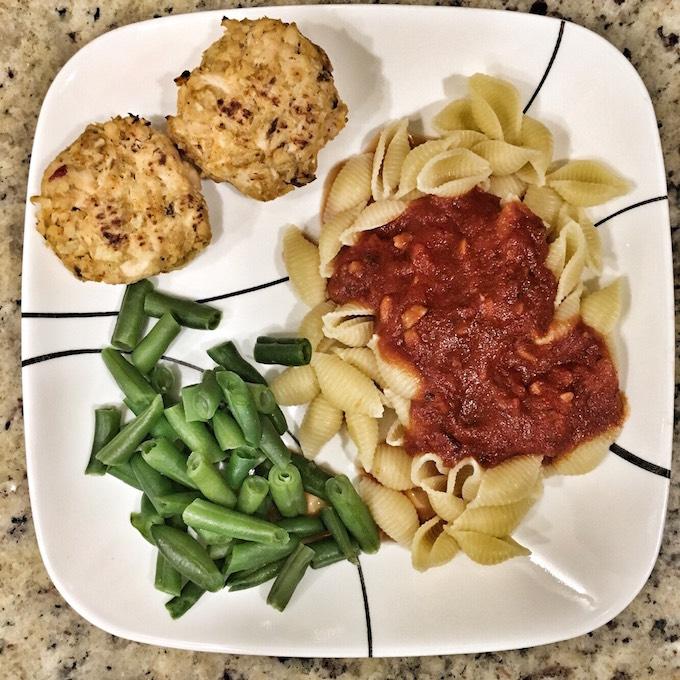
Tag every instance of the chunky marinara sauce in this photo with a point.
(462, 292)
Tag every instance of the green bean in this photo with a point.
(201, 401)
(241, 404)
(131, 316)
(186, 312)
(209, 481)
(267, 510)
(332, 522)
(327, 552)
(283, 351)
(153, 483)
(161, 428)
(353, 513)
(254, 577)
(106, 426)
(173, 504)
(286, 489)
(303, 526)
(133, 384)
(251, 494)
(227, 432)
(167, 579)
(290, 575)
(248, 556)
(314, 478)
(163, 456)
(205, 515)
(212, 538)
(195, 435)
(162, 380)
(188, 556)
(124, 473)
(177, 521)
(241, 462)
(154, 344)
(272, 445)
(219, 552)
(189, 596)
(227, 356)
(279, 421)
(263, 397)
(123, 445)
(145, 519)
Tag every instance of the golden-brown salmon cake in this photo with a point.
(120, 204)
(259, 108)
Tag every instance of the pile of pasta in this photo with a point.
(485, 142)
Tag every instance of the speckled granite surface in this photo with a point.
(40, 636)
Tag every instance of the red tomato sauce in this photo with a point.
(461, 293)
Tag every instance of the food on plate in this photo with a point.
(449, 304)
(225, 502)
(120, 204)
(259, 108)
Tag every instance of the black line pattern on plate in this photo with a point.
(640, 462)
(630, 207)
(367, 611)
(84, 315)
(560, 33)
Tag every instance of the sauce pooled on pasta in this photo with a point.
(461, 293)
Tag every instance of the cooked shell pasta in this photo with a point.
(443, 502)
(485, 549)
(585, 457)
(544, 202)
(346, 387)
(361, 358)
(321, 422)
(508, 187)
(401, 405)
(494, 520)
(396, 434)
(414, 162)
(421, 503)
(602, 309)
(464, 479)
(393, 146)
(587, 183)
(510, 481)
(569, 213)
(426, 465)
(464, 139)
(311, 326)
(371, 217)
(432, 546)
(535, 135)
(575, 259)
(399, 379)
(391, 510)
(329, 240)
(392, 467)
(296, 385)
(351, 324)
(496, 107)
(455, 116)
(363, 431)
(351, 186)
(452, 173)
(504, 158)
(302, 262)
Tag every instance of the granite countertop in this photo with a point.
(40, 636)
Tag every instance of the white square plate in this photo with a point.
(594, 538)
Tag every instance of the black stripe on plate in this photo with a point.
(640, 462)
(548, 67)
(367, 611)
(630, 207)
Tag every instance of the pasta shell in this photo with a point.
(363, 431)
(504, 158)
(464, 478)
(393, 146)
(432, 546)
(569, 213)
(391, 510)
(508, 187)
(322, 421)
(569, 308)
(587, 183)
(396, 434)
(401, 405)
(426, 465)
(301, 258)
(575, 259)
(361, 358)
(373, 216)
(485, 549)
(494, 520)
(510, 481)
(443, 502)
(421, 503)
(544, 202)
(346, 387)
(311, 326)
(452, 173)
(456, 115)
(557, 254)
(351, 186)
(392, 467)
(585, 457)
(495, 107)
(403, 381)
(535, 135)
(328, 345)
(329, 240)
(414, 162)
(465, 139)
(351, 324)
(602, 309)
(296, 385)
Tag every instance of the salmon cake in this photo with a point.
(120, 204)
(259, 108)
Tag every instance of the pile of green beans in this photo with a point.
(224, 500)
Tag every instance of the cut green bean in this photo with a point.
(186, 312)
(241, 404)
(189, 596)
(209, 481)
(241, 462)
(162, 380)
(154, 344)
(327, 552)
(201, 401)
(173, 504)
(254, 577)
(161, 428)
(314, 478)
(206, 515)
(332, 522)
(279, 421)
(177, 521)
(227, 432)
(283, 351)
(290, 575)
(106, 427)
(212, 538)
(131, 317)
(195, 435)
(247, 556)
(287, 491)
(227, 356)
(219, 552)
(264, 398)
(251, 494)
(123, 445)
(163, 456)
(272, 445)
(188, 556)
(153, 483)
(353, 513)
(133, 384)
(124, 473)
(167, 579)
(145, 519)
(303, 526)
